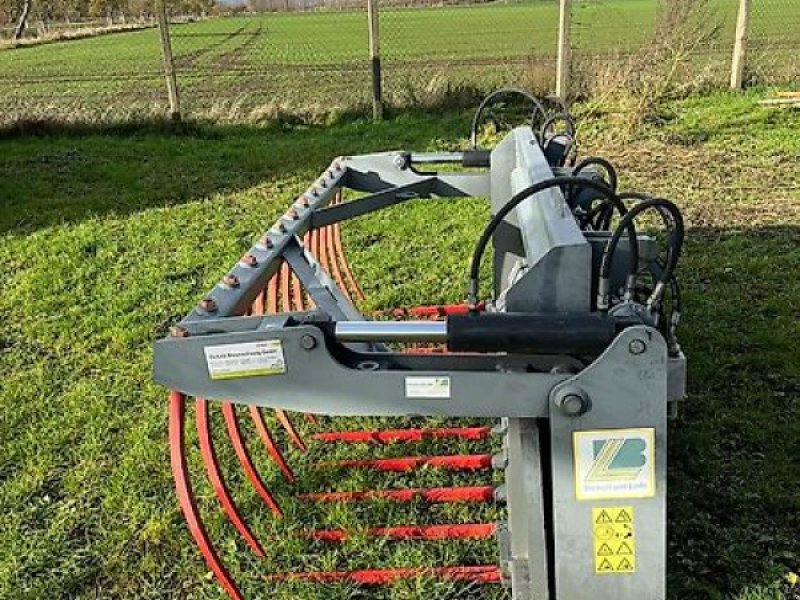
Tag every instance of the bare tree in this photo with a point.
(22, 24)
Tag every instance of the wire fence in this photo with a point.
(306, 58)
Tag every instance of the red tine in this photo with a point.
(334, 259)
(232, 424)
(444, 495)
(467, 531)
(345, 266)
(367, 577)
(286, 422)
(183, 489)
(286, 278)
(209, 455)
(389, 436)
(467, 462)
(272, 294)
(266, 437)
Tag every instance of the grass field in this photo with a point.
(106, 239)
(245, 67)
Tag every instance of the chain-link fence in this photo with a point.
(309, 57)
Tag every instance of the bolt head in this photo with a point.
(208, 304)
(179, 331)
(307, 342)
(315, 192)
(250, 260)
(573, 402)
(293, 215)
(637, 347)
(231, 280)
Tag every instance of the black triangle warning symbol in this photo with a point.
(624, 548)
(623, 517)
(605, 566)
(605, 550)
(624, 565)
(603, 517)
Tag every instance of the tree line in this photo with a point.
(22, 12)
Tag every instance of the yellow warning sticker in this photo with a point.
(614, 540)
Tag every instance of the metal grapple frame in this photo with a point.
(575, 353)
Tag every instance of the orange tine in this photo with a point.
(266, 437)
(286, 278)
(339, 252)
(209, 455)
(183, 489)
(284, 420)
(272, 294)
(334, 259)
(234, 432)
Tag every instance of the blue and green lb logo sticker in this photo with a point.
(614, 463)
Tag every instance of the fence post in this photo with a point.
(169, 64)
(563, 61)
(375, 60)
(740, 47)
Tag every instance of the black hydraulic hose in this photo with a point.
(553, 119)
(600, 162)
(676, 243)
(537, 108)
(483, 241)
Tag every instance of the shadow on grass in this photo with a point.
(52, 174)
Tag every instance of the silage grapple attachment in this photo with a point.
(574, 353)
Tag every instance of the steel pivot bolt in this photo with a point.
(307, 342)
(637, 347)
(573, 401)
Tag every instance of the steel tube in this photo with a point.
(391, 331)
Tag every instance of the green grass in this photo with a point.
(107, 239)
(246, 68)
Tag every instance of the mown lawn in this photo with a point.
(107, 238)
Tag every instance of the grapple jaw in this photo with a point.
(573, 354)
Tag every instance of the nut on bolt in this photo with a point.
(250, 260)
(231, 280)
(573, 401)
(208, 304)
(293, 215)
(265, 241)
(178, 331)
(637, 347)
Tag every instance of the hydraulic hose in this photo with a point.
(483, 241)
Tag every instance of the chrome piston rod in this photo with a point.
(391, 331)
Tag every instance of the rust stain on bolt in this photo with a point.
(179, 332)
(265, 241)
(208, 304)
(304, 201)
(280, 226)
(250, 260)
(231, 280)
(293, 214)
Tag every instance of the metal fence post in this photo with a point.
(563, 61)
(169, 64)
(375, 60)
(740, 47)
